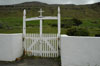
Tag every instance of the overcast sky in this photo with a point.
(77, 2)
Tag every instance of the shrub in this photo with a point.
(76, 22)
(75, 31)
(97, 35)
(68, 23)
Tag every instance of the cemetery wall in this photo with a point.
(80, 51)
(10, 47)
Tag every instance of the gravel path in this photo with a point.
(32, 62)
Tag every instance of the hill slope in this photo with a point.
(68, 11)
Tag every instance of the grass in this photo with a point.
(91, 23)
(14, 25)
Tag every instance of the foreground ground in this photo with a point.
(32, 62)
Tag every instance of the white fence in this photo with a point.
(80, 51)
(10, 46)
(44, 46)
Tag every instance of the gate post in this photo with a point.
(24, 31)
(41, 22)
(24, 23)
(59, 26)
(41, 31)
(59, 29)
(40, 37)
(40, 27)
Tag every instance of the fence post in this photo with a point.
(40, 27)
(40, 37)
(24, 23)
(59, 20)
(40, 31)
(59, 29)
(24, 31)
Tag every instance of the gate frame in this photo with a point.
(41, 18)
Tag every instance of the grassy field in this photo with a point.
(14, 25)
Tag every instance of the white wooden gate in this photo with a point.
(44, 45)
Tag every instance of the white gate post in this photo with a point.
(40, 37)
(24, 23)
(41, 22)
(40, 27)
(24, 29)
(59, 22)
(41, 31)
(59, 27)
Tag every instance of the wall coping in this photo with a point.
(65, 36)
(12, 34)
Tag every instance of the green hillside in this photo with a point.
(69, 11)
(11, 17)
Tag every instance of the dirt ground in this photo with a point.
(33, 62)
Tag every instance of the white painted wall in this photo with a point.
(10, 46)
(80, 51)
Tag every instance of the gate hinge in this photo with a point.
(58, 38)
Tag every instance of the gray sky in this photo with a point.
(77, 2)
